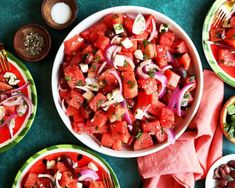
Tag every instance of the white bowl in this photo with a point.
(182, 125)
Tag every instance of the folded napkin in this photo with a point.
(189, 159)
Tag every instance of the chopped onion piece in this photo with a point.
(92, 166)
(174, 98)
(166, 68)
(47, 176)
(82, 88)
(102, 67)
(12, 101)
(88, 175)
(63, 106)
(153, 32)
(170, 136)
(109, 53)
(127, 115)
(161, 78)
(114, 73)
(170, 57)
(16, 90)
(7, 121)
(180, 97)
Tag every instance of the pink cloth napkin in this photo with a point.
(189, 159)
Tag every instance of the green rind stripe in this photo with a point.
(34, 100)
(207, 50)
(65, 146)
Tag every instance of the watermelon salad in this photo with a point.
(64, 170)
(15, 106)
(125, 80)
(222, 43)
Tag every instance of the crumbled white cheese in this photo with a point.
(75, 165)
(92, 84)
(92, 166)
(139, 54)
(139, 25)
(79, 185)
(11, 127)
(84, 67)
(119, 60)
(50, 164)
(2, 112)
(58, 175)
(118, 28)
(163, 28)
(88, 95)
(139, 114)
(127, 43)
(115, 95)
(11, 78)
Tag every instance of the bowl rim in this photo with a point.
(207, 49)
(128, 153)
(223, 115)
(36, 58)
(34, 97)
(63, 148)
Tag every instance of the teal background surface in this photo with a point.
(48, 128)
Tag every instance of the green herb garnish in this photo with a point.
(79, 83)
(131, 83)
(138, 135)
(67, 78)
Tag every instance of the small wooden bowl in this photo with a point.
(46, 13)
(223, 116)
(20, 37)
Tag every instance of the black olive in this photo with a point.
(79, 157)
(110, 33)
(123, 34)
(44, 161)
(231, 163)
(68, 162)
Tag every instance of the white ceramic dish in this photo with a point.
(182, 125)
(210, 182)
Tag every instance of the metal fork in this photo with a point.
(4, 64)
(223, 13)
(108, 182)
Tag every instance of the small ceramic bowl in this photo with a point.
(46, 13)
(19, 40)
(223, 117)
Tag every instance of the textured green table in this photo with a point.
(48, 128)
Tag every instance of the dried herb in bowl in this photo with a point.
(34, 43)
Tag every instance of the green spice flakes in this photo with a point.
(34, 43)
(67, 78)
(131, 83)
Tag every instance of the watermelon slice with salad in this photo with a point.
(222, 40)
(16, 106)
(127, 80)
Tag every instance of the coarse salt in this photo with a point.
(61, 13)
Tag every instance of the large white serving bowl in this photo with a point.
(181, 124)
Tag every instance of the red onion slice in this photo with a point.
(83, 88)
(170, 136)
(102, 67)
(153, 32)
(50, 177)
(163, 80)
(170, 57)
(174, 98)
(166, 68)
(15, 90)
(180, 97)
(88, 175)
(114, 73)
(63, 106)
(109, 52)
(11, 117)
(61, 89)
(12, 101)
(127, 115)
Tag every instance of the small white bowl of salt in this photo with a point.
(59, 14)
